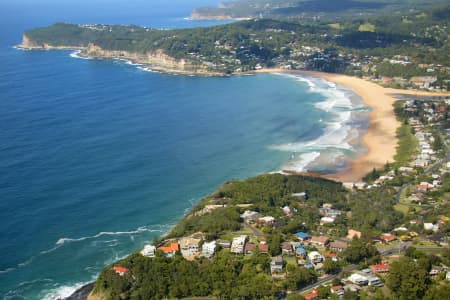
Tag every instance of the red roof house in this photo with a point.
(387, 237)
(171, 249)
(312, 296)
(380, 268)
(120, 270)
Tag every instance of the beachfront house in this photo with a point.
(208, 249)
(120, 270)
(149, 251)
(189, 246)
(169, 251)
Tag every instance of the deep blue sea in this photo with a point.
(99, 157)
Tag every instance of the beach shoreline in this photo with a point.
(381, 136)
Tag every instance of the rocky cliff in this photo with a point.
(29, 44)
(155, 60)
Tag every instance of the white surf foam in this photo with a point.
(64, 240)
(62, 292)
(302, 161)
(147, 69)
(75, 54)
(339, 107)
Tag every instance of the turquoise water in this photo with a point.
(99, 157)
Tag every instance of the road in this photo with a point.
(350, 268)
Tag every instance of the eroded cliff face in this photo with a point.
(28, 43)
(197, 15)
(156, 60)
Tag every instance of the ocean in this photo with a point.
(99, 157)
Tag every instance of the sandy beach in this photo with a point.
(380, 139)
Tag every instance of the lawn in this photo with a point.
(403, 208)
(367, 27)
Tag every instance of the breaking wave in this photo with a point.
(338, 128)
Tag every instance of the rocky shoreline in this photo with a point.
(153, 61)
(82, 293)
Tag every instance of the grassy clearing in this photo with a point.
(290, 260)
(335, 25)
(403, 208)
(407, 146)
(367, 27)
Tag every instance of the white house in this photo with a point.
(326, 220)
(189, 246)
(208, 249)
(315, 257)
(238, 244)
(358, 279)
(149, 251)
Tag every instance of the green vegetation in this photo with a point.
(407, 143)
(351, 46)
(225, 276)
(366, 27)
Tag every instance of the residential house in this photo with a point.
(338, 290)
(373, 280)
(380, 268)
(320, 241)
(436, 270)
(263, 248)
(224, 243)
(326, 220)
(267, 220)
(387, 237)
(238, 244)
(312, 296)
(286, 248)
(332, 256)
(170, 250)
(149, 251)
(315, 257)
(360, 185)
(249, 247)
(328, 212)
(276, 264)
(431, 226)
(302, 195)
(338, 246)
(250, 217)
(423, 81)
(300, 253)
(287, 211)
(189, 246)
(353, 233)
(348, 185)
(120, 270)
(208, 249)
(358, 279)
(302, 236)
